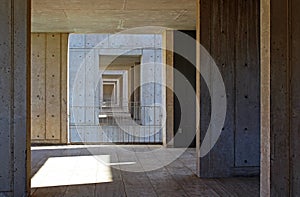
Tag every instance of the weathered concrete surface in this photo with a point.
(15, 98)
(106, 16)
(229, 30)
(280, 114)
(49, 88)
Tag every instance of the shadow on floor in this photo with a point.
(115, 175)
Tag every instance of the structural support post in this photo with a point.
(15, 97)
(280, 88)
(136, 93)
(168, 61)
(265, 98)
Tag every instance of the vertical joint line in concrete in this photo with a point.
(60, 88)
(12, 93)
(45, 86)
(289, 78)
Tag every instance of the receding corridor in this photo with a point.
(176, 179)
(149, 98)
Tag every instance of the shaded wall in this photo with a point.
(229, 30)
(184, 108)
(281, 98)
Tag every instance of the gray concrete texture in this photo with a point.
(232, 39)
(280, 145)
(14, 98)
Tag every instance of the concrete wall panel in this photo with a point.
(38, 68)
(158, 41)
(148, 86)
(96, 41)
(247, 107)
(77, 87)
(90, 88)
(64, 88)
(229, 30)
(49, 85)
(53, 64)
(77, 41)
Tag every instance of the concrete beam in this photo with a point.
(15, 98)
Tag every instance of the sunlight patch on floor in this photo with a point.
(73, 170)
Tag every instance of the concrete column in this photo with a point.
(131, 95)
(125, 91)
(147, 89)
(136, 93)
(15, 98)
(280, 88)
(168, 61)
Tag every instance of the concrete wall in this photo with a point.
(49, 88)
(14, 98)
(229, 30)
(280, 86)
(185, 102)
(85, 78)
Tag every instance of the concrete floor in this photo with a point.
(125, 171)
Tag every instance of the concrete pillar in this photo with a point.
(132, 91)
(125, 98)
(136, 93)
(280, 88)
(229, 31)
(15, 98)
(168, 61)
(147, 89)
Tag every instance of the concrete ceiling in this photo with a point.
(111, 16)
